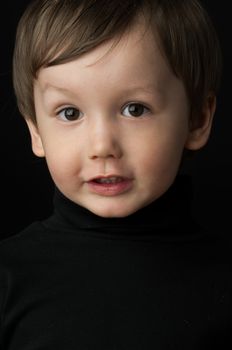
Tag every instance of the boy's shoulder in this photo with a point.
(20, 243)
(216, 247)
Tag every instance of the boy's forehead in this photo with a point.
(134, 62)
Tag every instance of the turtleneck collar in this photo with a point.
(168, 216)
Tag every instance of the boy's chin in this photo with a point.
(115, 211)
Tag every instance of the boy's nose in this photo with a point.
(104, 141)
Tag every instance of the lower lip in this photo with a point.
(111, 189)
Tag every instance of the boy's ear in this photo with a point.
(36, 142)
(198, 135)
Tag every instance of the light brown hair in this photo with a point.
(52, 32)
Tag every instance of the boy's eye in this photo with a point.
(135, 110)
(69, 114)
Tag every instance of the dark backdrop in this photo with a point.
(26, 187)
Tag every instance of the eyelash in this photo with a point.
(135, 104)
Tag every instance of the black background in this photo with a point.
(26, 188)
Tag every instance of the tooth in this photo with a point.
(109, 180)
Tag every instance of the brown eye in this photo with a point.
(135, 110)
(69, 114)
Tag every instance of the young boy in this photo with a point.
(114, 94)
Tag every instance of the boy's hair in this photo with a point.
(57, 31)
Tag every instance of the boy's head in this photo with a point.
(113, 92)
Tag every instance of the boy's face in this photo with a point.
(112, 125)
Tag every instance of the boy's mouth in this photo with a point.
(109, 185)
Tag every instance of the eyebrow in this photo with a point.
(49, 86)
(149, 89)
(146, 88)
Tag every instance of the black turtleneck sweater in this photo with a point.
(153, 280)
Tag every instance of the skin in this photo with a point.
(106, 139)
